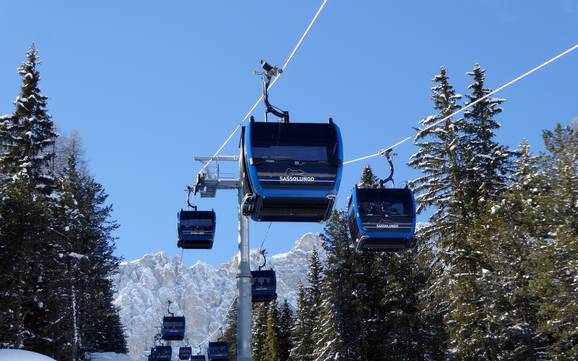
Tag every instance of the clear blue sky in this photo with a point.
(149, 84)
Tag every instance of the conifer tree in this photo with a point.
(516, 219)
(260, 332)
(23, 219)
(487, 163)
(55, 239)
(100, 317)
(368, 179)
(314, 282)
(285, 336)
(451, 156)
(440, 161)
(68, 226)
(301, 333)
(309, 311)
(337, 332)
(30, 130)
(29, 250)
(556, 258)
(230, 334)
(272, 333)
(6, 141)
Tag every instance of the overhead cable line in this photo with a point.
(265, 237)
(383, 151)
(291, 55)
(221, 324)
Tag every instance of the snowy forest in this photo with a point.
(56, 242)
(494, 275)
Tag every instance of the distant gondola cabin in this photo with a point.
(173, 328)
(264, 285)
(162, 353)
(218, 351)
(196, 229)
(185, 352)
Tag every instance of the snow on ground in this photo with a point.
(22, 355)
(109, 356)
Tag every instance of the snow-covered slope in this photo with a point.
(22, 355)
(108, 356)
(201, 292)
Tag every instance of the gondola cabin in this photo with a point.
(173, 328)
(382, 219)
(185, 352)
(292, 170)
(198, 358)
(162, 353)
(196, 229)
(218, 351)
(264, 286)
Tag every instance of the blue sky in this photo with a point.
(149, 84)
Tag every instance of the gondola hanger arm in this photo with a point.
(387, 153)
(169, 308)
(263, 252)
(268, 73)
(189, 191)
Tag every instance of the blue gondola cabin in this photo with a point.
(173, 328)
(185, 352)
(162, 353)
(196, 229)
(292, 170)
(264, 286)
(382, 219)
(218, 351)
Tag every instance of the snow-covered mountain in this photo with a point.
(201, 292)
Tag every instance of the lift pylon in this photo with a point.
(207, 184)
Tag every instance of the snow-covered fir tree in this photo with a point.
(337, 326)
(439, 158)
(30, 130)
(487, 163)
(368, 179)
(55, 239)
(302, 329)
(28, 250)
(260, 332)
(272, 333)
(285, 325)
(555, 279)
(230, 334)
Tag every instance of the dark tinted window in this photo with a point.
(383, 207)
(196, 215)
(294, 141)
(197, 223)
(174, 322)
(286, 152)
(391, 202)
